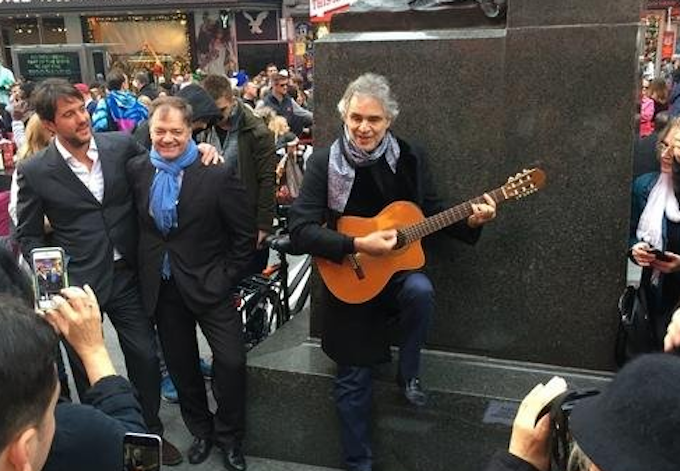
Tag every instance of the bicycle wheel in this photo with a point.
(300, 286)
(260, 317)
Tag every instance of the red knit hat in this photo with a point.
(82, 88)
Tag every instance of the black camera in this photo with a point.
(560, 438)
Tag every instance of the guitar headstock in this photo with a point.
(524, 183)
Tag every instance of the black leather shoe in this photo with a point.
(413, 392)
(171, 455)
(234, 459)
(199, 450)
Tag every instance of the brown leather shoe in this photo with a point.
(171, 455)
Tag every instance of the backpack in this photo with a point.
(126, 125)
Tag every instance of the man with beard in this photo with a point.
(247, 146)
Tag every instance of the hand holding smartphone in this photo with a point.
(662, 257)
(49, 275)
(141, 452)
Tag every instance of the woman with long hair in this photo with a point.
(37, 138)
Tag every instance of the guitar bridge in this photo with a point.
(356, 266)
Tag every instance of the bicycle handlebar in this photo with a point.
(280, 243)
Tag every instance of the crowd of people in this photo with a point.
(162, 201)
(88, 158)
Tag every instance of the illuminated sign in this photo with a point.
(36, 66)
(321, 7)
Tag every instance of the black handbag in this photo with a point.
(635, 334)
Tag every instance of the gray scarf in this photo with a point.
(345, 156)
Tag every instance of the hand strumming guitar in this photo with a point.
(376, 243)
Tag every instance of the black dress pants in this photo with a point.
(136, 335)
(223, 329)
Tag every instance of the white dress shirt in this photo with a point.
(93, 179)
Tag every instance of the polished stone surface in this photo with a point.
(472, 402)
(541, 13)
(458, 16)
(542, 283)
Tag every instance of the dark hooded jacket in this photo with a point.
(256, 163)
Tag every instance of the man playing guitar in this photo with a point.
(366, 169)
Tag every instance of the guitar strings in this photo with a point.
(445, 218)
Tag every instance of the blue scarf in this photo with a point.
(165, 192)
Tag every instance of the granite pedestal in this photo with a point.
(472, 402)
(553, 86)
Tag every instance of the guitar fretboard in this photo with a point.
(445, 218)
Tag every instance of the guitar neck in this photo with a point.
(446, 218)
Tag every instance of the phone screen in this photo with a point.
(49, 275)
(142, 452)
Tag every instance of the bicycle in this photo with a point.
(267, 301)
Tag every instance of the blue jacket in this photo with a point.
(125, 105)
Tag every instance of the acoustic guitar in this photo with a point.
(360, 277)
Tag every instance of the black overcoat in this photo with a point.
(358, 334)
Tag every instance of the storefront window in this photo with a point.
(54, 31)
(216, 42)
(156, 43)
(25, 32)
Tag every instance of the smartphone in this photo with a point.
(659, 255)
(141, 452)
(49, 275)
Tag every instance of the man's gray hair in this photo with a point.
(374, 86)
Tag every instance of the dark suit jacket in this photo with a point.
(86, 229)
(213, 242)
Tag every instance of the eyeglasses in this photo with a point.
(662, 147)
(282, 85)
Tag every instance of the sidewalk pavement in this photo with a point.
(176, 432)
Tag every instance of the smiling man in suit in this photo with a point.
(196, 234)
(78, 183)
